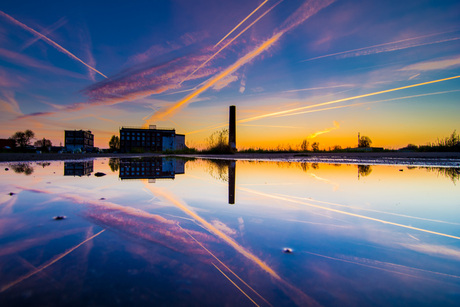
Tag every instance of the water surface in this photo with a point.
(198, 232)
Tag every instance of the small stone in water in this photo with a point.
(287, 250)
(59, 217)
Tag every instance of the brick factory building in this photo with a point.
(150, 139)
(79, 140)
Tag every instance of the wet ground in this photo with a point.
(161, 231)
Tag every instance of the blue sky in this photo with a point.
(293, 68)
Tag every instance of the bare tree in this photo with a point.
(304, 145)
(315, 146)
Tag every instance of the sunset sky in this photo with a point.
(316, 70)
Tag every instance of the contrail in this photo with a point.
(235, 285)
(306, 10)
(371, 210)
(257, 8)
(47, 264)
(349, 213)
(369, 102)
(317, 88)
(214, 80)
(368, 265)
(215, 231)
(47, 31)
(346, 99)
(379, 45)
(223, 264)
(49, 41)
(228, 43)
(298, 294)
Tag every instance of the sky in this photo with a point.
(321, 71)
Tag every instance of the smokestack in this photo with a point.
(232, 129)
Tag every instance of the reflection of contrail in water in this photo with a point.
(371, 210)
(257, 8)
(345, 99)
(297, 295)
(223, 264)
(47, 264)
(349, 213)
(227, 44)
(372, 266)
(214, 230)
(49, 41)
(235, 284)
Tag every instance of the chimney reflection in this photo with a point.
(83, 168)
(231, 182)
(151, 168)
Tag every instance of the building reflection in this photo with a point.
(151, 168)
(81, 168)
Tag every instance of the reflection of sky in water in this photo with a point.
(383, 235)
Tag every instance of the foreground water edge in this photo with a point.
(193, 231)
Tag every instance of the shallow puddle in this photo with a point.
(239, 233)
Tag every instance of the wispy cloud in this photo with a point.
(313, 135)
(390, 46)
(224, 82)
(49, 41)
(9, 104)
(318, 88)
(296, 111)
(156, 50)
(305, 11)
(434, 65)
(24, 60)
(140, 81)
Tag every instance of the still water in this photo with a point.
(166, 232)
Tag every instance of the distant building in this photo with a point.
(79, 140)
(150, 139)
(153, 168)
